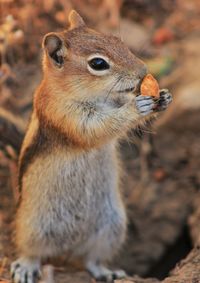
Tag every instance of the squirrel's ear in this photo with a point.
(75, 20)
(55, 48)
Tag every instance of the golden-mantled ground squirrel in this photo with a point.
(68, 169)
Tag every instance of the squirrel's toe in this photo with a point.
(24, 271)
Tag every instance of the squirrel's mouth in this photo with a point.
(130, 89)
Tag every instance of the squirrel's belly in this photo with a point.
(78, 197)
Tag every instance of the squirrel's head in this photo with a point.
(83, 62)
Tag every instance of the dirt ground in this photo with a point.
(162, 182)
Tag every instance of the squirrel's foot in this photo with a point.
(101, 273)
(25, 270)
(145, 104)
(165, 100)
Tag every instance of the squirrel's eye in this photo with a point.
(98, 64)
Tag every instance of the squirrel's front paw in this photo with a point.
(149, 104)
(165, 100)
(145, 104)
(25, 271)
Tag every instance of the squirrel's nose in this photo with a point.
(142, 72)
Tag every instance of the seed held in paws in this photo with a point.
(150, 87)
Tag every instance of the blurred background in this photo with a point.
(162, 161)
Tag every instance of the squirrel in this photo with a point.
(69, 170)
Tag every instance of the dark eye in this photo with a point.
(98, 64)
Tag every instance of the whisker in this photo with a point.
(114, 85)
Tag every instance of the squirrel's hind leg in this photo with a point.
(101, 273)
(26, 270)
(103, 247)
